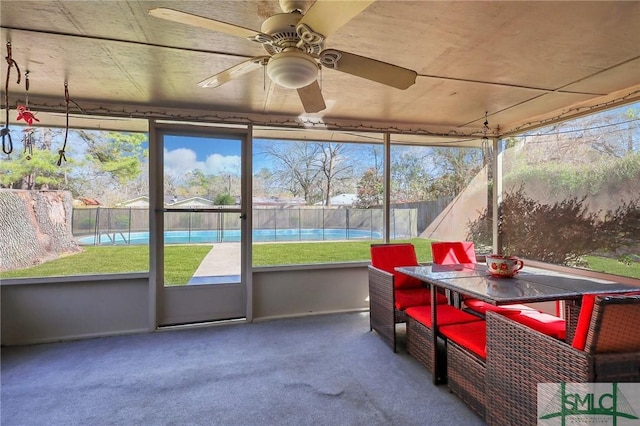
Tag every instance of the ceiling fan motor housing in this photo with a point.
(291, 64)
(282, 28)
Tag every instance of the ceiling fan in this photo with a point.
(295, 48)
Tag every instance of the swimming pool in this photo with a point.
(259, 235)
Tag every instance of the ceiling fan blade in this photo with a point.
(311, 98)
(202, 22)
(235, 71)
(327, 16)
(371, 69)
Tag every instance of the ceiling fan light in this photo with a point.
(292, 69)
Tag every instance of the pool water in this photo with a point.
(259, 235)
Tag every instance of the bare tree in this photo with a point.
(335, 166)
(312, 170)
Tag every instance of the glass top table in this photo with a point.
(530, 285)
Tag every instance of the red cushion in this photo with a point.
(447, 315)
(548, 324)
(408, 297)
(471, 335)
(482, 307)
(584, 319)
(389, 256)
(453, 252)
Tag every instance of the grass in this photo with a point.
(612, 266)
(181, 261)
(323, 252)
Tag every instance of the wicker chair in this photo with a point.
(466, 363)
(420, 338)
(390, 292)
(518, 358)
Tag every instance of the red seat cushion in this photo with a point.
(447, 315)
(471, 335)
(453, 252)
(389, 256)
(482, 307)
(544, 323)
(408, 297)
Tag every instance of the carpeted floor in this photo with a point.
(319, 370)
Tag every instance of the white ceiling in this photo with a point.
(524, 63)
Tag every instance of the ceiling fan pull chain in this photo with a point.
(7, 143)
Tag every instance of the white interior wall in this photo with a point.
(74, 308)
(308, 290)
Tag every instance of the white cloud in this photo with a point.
(223, 164)
(180, 161)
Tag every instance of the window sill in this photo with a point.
(73, 279)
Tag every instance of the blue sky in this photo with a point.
(213, 156)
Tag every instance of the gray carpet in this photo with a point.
(320, 370)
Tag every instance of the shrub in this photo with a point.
(559, 233)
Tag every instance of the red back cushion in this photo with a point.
(452, 252)
(544, 323)
(584, 319)
(388, 256)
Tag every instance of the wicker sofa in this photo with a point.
(518, 358)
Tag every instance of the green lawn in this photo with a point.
(613, 266)
(181, 261)
(325, 252)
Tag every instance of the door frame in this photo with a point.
(170, 305)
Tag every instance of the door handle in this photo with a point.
(243, 216)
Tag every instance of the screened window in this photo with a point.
(571, 193)
(327, 196)
(318, 200)
(438, 193)
(76, 215)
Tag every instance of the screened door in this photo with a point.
(203, 228)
